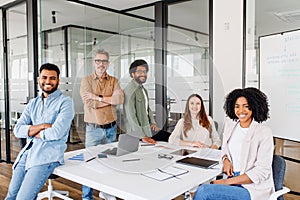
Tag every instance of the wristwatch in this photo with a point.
(100, 98)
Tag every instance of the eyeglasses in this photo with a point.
(162, 155)
(99, 61)
(141, 72)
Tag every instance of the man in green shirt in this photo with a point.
(139, 116)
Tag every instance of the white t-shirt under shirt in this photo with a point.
(146, 100)
(235, 144)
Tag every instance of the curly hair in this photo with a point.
(135, 64)
(187, 119)
(257, 100)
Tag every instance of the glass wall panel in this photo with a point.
(18, 75)
(136, 27)
(188, 56)
(127, 38)
(187, 69)
(266, 18)
(82, 42)
(137, 42)
(70, 41)
(192, 15)
(147, 12)
(83, 29)
(2, 103)
(251, 75)
(54, 49)
(75, 14)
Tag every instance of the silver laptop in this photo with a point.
(127, 144)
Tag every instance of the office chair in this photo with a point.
(50, 193)
(278, 167)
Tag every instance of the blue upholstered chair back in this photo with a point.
(278, 167)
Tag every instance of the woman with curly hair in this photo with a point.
(247, 150)
(196, 129)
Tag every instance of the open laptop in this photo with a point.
(127, 144)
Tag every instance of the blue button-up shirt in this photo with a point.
(57, 110)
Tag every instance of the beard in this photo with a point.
(139, 81)
(54, 88)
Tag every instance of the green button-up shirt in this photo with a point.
(138, 117)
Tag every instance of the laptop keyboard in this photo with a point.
(112, 151)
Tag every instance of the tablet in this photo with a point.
(198, 162)
(183, 152)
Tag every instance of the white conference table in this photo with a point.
(125, 180)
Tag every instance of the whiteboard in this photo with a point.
(279, 57)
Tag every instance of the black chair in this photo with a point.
(278, 167)
(161, 136)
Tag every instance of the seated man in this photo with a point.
(45, 123)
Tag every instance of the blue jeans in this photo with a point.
(222, 192)
(26, 184)
(93, 137)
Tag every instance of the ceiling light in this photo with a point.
(288, 16)
(53, 17)
(196, 38)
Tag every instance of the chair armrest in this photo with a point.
(278, 193)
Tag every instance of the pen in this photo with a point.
(134, 159)
(90, 159)
(147, 144)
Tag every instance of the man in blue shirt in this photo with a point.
(45, 123)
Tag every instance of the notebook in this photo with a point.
(198, 162)
(127, 144)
